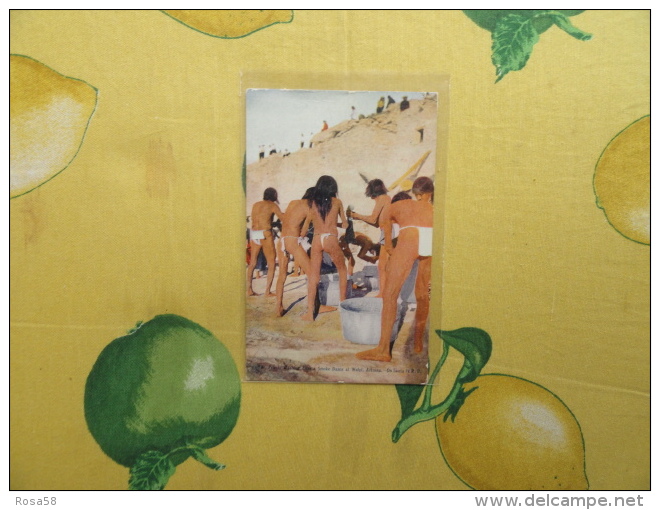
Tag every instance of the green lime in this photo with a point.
(164, 392)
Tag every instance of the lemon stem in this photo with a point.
(426, 411)
(429, 385)
(197, 453)
(153, 469)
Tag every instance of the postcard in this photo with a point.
(339, 234)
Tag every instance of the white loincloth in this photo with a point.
(257, 235)
(425, 246)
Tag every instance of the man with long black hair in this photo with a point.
(325, 210)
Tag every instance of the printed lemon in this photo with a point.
(622, 181)
(164, 392)
(512, 434)
(48, 117)
(228, 23)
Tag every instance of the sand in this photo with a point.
(290, 349)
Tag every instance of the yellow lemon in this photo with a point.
(230, 24)
(512, 434)
(48, 117)
(622, 181)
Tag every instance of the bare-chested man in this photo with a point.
(415, 219)
(261, 237)
(377, 191)
(366, 246)
(294, 217)
(326, 208)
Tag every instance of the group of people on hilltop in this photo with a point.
(406, 225)
(270, 151)
(263, 152)
(403, 105)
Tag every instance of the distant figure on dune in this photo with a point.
(325, 126)
(302, 140)
(261, 237)
(352, 112)
(405, 104)
(262, 150)
(390, 100)
(381, 105)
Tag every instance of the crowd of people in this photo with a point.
(405, 223)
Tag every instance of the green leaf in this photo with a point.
(473, 343)
(514, 38)
(515, 32)
(485, 18)
(488, 18)
(542, 22)
(408, 397)
(199, 454)
(565, 24)
(151, 471)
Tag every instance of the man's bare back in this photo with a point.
(294, 217)
(407, 213)
(375, 218)
(262, 214)
(329, 224)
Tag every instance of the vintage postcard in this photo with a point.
(339, 203)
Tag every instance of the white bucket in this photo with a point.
(360, 319)
(329, 289)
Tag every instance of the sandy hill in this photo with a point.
(381, 146)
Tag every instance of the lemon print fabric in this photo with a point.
(512, 434)
(230, 24)
(48, 116)
(622, 181)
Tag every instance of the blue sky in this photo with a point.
(280, 117)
